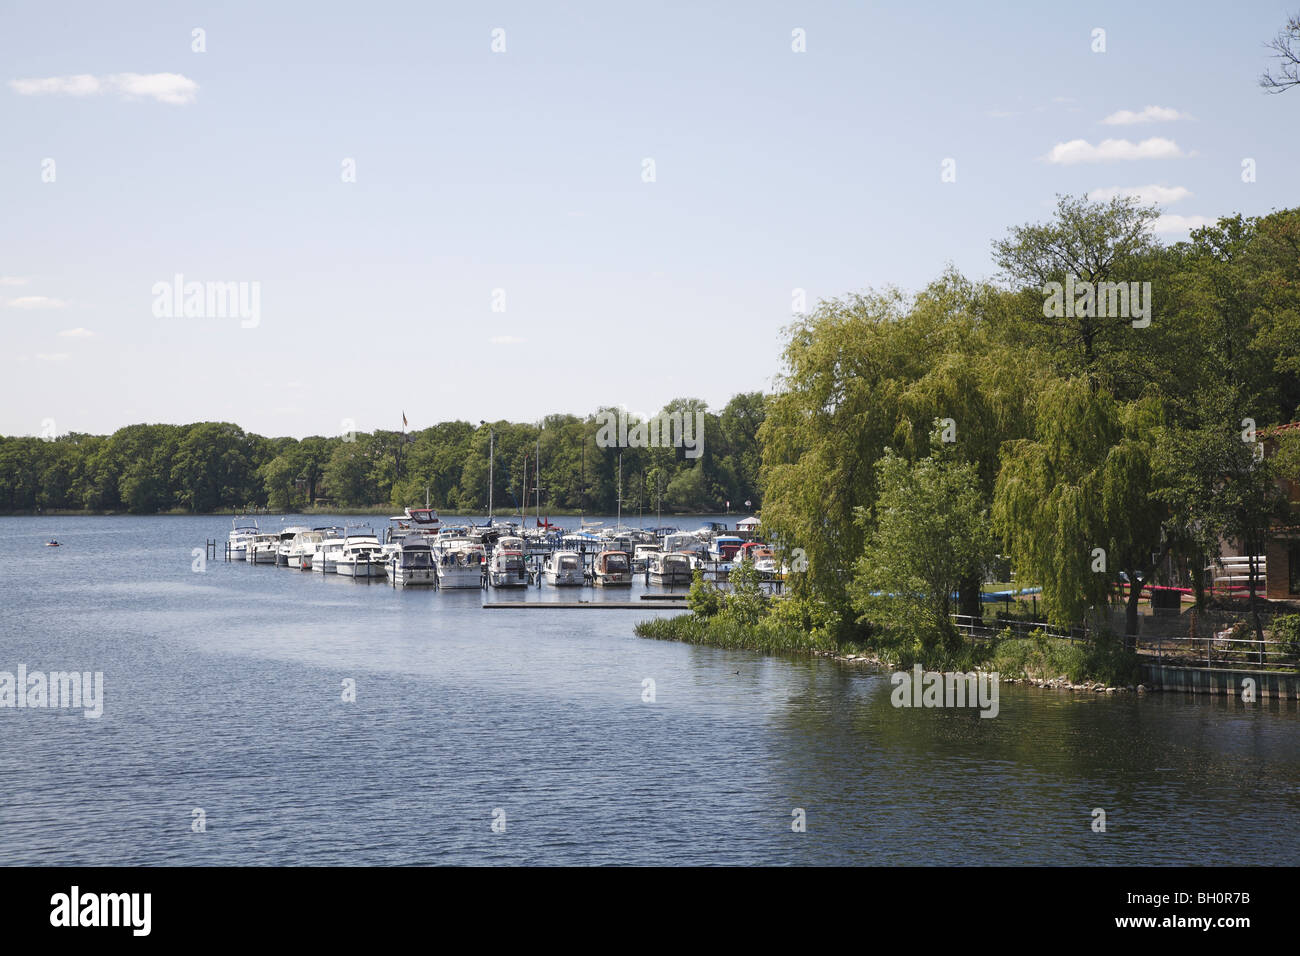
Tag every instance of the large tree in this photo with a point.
(1086, 242)
(1075, 504)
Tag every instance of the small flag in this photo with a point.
(403, 419)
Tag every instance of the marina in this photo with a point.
(419, 549)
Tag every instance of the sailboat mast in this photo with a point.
(492, 441)
(537, 480)
(620, 491)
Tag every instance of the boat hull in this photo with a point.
(452, 578)
(413, 577)
(565, 579)
(670, 578)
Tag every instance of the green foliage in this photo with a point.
(929, 532)
(704, 597)
(747, 602)
(769, 635)
(210, 466)
(1084, 482)
(1103, 658)
(1286, 628)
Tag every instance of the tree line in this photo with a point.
(217, 466)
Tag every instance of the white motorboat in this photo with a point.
(672, 568)
(361, 557)
(240, 535)
(412, 565)
(414, 522)
(263, 549)
(303, 548)
(459, 561)
(641, 556)
(564, 569)
(326, 558)
(612, 569)
(287, 538)
(506, 568)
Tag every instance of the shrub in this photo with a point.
(1286, 628)
(704, 598)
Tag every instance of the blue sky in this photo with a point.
(523, 171)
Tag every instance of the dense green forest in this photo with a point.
(214, 466)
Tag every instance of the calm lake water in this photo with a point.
(223, 692)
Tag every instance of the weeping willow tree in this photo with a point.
(978, 385)
(845, 366)
(1075, 503)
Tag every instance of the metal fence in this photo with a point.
(981, 629)
(1224, 648)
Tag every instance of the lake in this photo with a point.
(223, 691)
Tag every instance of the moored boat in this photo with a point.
(361, 557)
(612, 569)
(287, 538)
(506, 568)
(242, 530)
(564, 569)
(671, 569)
(326, 558)
(724, 548)
(413, 564)
(263, 548)
(459, 561)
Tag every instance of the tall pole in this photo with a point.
(537, 480)
(620, 492)
(492, 439)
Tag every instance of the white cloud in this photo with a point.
(1143, 194)
(36, 302)
(1148, 114)
(506, 340)
(170, 88)
(52, 356)
(1172, 223)
(81, 84)
(12, 280)
(77, 333)
(1109, 150)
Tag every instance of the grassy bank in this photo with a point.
(747, 618)
(1037, 657)
(726, 632)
